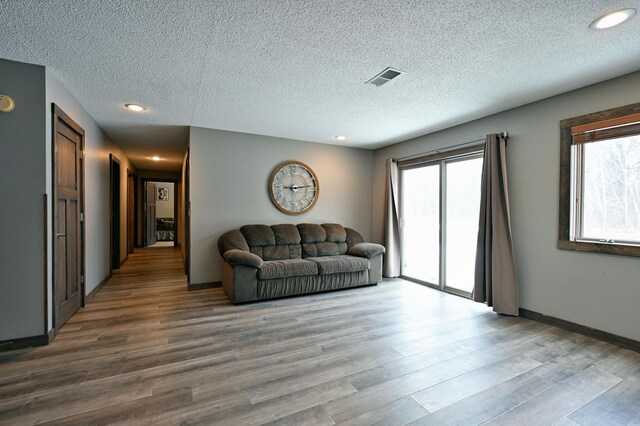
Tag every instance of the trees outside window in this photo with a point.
(600, 182)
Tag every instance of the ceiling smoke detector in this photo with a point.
(384, 77)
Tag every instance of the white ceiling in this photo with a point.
(296, 68)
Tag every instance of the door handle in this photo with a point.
(60, 235)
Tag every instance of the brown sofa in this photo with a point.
(266, 262)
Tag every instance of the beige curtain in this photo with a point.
(495, 276)
(391, 265)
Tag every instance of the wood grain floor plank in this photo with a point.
(283, 406)
(147, 351)
(383, 393)
(314, 416)
(481, 350)
(467, 384)
(617, 406)
(488, 404)
(322, 373)
(552, 405)
(129, 411)
(198, 411)
(399, 412)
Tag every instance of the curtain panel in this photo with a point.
(392, 258)
(496, 282)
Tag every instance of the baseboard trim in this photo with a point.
(91, 295)
(26, 342)
(202, 286)
(614, 339)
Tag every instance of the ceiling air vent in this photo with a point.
(385, 76)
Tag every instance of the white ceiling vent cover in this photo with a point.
(384, 77)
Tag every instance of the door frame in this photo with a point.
(187, 218)
(59, 114)
(440, 159)
(132, 210)
(114, 214)
(176, 213)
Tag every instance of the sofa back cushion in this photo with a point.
(231, 240)
(328, 239)
(277, 242)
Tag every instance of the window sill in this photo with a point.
(605, 248)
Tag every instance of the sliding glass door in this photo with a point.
(421, 221)
(440, 207)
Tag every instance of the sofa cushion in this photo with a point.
(271, 252)
(322, 240)
(273, 269)
(312, 233)
(339, 264)
(286, 234)
(258, 235)
(231, 240)
(367, 250)
(277, 242)
(335, 232)
(240, 257)
(353, 237)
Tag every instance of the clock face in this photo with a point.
(293, 187)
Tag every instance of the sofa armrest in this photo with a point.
(239, 257)
(367, 250)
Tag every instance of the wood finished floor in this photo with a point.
(147, 351)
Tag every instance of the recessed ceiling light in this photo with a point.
(156, 158)
(340, 138)
(134, 107)
(612, 19)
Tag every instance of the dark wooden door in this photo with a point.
(114, 166)
(67, 231)
(131, 184)
(187, 220)
(151, 214)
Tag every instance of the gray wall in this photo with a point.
(596, 290)
(22, 173)
(229, 178)
(97, 149)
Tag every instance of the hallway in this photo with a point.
(104, 360)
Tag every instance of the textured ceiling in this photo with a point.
(296, 69)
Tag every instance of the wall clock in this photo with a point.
(293, 187)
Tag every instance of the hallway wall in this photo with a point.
(98, 146)
(22, 173)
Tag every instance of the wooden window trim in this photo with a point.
(569, 127)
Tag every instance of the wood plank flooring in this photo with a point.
(147, 351)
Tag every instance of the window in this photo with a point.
(439, 214)
(600, 182)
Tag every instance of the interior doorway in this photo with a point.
(131, 211)
(187, 219)
(68, 220)
(161, 213)
(114, 191)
